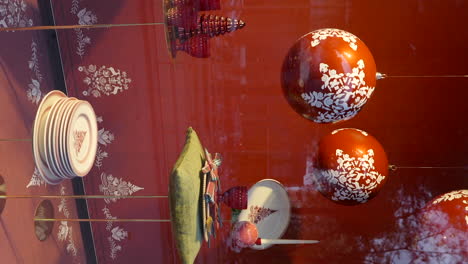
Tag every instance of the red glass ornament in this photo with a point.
(206, 5)
(351, 166)
(211, 26)
(244, 234)
(197, 46)
(443, 226)
(200, 5)
(449, 210)
(235, 197)
(182, 17)
(328, 75)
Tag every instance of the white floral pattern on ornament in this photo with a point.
(462, 194)
(343, 96)
(348, 175)
(105, 80)
(13, 14)
(116, 187)
(358, 130)
(451, 196)
(325, 33)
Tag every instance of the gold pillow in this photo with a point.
(184, 192)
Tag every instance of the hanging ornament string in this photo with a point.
(395, 167)
(381, 76)
(8, 29)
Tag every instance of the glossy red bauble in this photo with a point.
(443, 226)
(244, 234)
(449, 210)
(351, 166)
(328, 75)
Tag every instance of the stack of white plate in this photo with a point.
(65, 137)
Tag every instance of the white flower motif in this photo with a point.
(323, 34)
(105, 137)
(118, 233)
(353, 179)
(117, 187)
(36, 179)
(105, 80)
(451, 196)
(63, 231)
(343, 96)
(86, 17)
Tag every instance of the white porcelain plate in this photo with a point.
(269, 209)
(65, 124)
(82, 138)
(50, 136)
(38, 135)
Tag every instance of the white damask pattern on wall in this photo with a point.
(65, 232)
(116, 234)
(84, 17)
(114, 186)
(36, 179)
(104, 80)
(105, 137)
(343, 94)
(13, 14)
(34, 92)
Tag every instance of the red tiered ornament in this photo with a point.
(351, 166)
(211, 26)
(235, 197)
(197, 46)
(200, 5)
(207, 5)
(182, 17)
(328, 75)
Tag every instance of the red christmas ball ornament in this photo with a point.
(444, 226)
(328, 75)
(449, 210)
(244, 234)
(351, 166)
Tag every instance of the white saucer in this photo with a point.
(268, 195)
(38, 135)
(82, 136)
